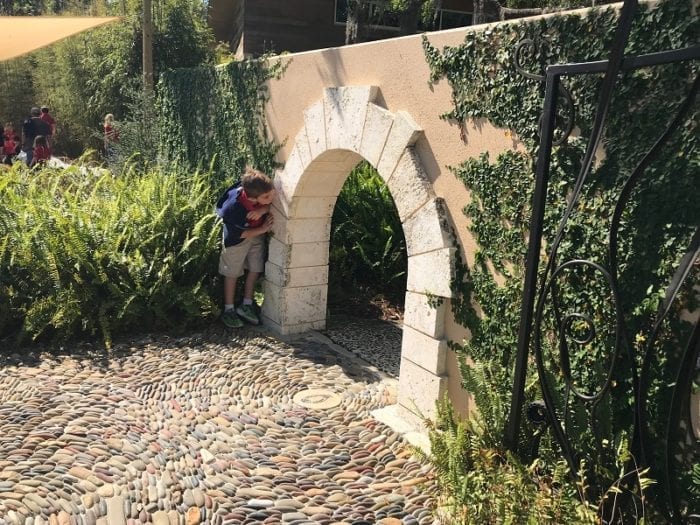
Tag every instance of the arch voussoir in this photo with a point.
(345, 110)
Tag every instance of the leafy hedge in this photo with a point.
(84, 252)
(214, 116)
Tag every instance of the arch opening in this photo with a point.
(367, 271)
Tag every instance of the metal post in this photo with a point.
(533, 257)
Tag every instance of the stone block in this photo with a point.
(420, 389)
(315, 125)
(377, 125)
(293, 306)
(403, 134)
(295, 277)
(301, 144)
(409, 185)
(421, 316)
(284, 192)
(423, 350)
(431, 273)
(345, 109)
(292, 329)
(326, 178)
(292, 231)
(312, 207)
(427, 229)
(297, 255)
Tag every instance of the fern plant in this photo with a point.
(482, 483)
(85, 252)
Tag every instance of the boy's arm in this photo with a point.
(258, 212)
(260, 230)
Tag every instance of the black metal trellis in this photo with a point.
(540, 288)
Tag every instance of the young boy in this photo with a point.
(244, 209)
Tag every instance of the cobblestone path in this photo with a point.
(210, 428)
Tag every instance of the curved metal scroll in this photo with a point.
(640, 383)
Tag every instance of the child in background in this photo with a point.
(111, 135)
(9, 130)
(8, 142)
(9, 147)
(244, 209)
(41, 150)
(46, 117)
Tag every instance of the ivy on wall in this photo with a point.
(656, 227)
(214, 116)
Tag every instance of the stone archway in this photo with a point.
(339, 131)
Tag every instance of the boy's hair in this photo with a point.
(44, 109)
(255, 182)
(40, 140)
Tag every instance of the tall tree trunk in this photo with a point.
(357, 26)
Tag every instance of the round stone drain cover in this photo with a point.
(318, 398)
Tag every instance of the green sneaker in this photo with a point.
(247, 313)
(231, 320)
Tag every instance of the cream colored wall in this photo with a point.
(398, 67)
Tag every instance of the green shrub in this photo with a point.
(483, 483)
(83, 252)
(368, 250)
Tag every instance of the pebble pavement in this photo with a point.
(373, 340)
(209, 428)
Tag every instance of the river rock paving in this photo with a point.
(202, 429)
(374, 340)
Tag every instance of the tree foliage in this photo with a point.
(98, 72)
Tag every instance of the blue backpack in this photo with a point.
(227, 196)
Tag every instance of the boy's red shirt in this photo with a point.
(41, 153)
(10, 145)
(250, 206)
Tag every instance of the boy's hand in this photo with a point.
(257, 213)
(267, 225)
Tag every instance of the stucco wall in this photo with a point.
(398, 68)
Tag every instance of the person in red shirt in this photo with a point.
(48, 118)
(41, 150)
(111, 135)
(9, 149)
(9, 146)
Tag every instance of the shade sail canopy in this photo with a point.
(23, 34)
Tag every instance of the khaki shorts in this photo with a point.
(248, 255)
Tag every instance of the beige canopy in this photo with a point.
(23, 34)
